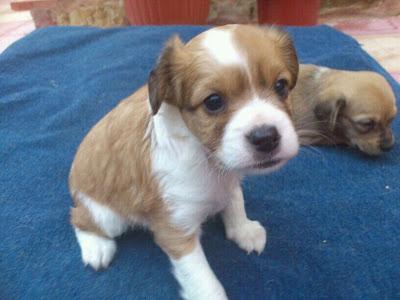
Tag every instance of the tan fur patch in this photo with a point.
(191, 75)
(113, 162)
(81, 218)
(271, 55)
(366, 95)
(113, 167)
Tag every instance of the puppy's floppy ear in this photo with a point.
(329, 111)
(154, 97)
(163, 78)
(286, 45)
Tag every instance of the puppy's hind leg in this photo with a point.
(95, 227)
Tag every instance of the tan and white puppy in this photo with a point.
(343, 107)
(174, 152)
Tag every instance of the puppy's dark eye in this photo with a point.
(214, 103)
(281, 88)
(366, 125)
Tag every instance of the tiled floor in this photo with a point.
(379, 36)
(13, 25)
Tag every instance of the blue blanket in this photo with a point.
(333, 215)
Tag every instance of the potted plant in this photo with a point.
(161, 12)
(288, 12)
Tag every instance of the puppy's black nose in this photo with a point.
(264, 138)
(387, 142)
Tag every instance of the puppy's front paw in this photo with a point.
(96, 251)
(251, 236)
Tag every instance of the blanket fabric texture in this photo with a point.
(332, 214)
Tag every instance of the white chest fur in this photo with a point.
(191, 186)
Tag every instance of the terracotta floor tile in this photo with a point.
(384, 48)
(396, 76)
(367, 25)
(378, 36)
(15, 17)
(16, 28)
(395, 21)
(6, 41)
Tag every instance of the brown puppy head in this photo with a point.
(230, 85)
(359, 107)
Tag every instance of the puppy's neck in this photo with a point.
(190, 182)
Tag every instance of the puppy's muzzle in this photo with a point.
(387, 143)
(387, 140)
(264, 138)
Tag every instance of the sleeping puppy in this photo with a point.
(343, 107)
(175, 151)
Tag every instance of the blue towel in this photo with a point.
(332, 214)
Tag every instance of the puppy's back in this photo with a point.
(302, 102)
(112, 162)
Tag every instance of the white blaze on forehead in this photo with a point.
(220, 45)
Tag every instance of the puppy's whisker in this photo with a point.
(312, 150)
(306, 121)
(308, 133)
(301, 123)
(303, 118)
